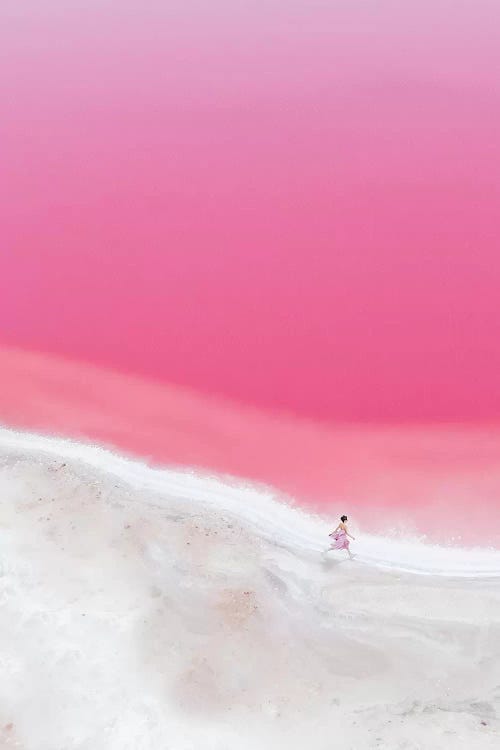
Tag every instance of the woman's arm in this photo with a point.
(347, 532)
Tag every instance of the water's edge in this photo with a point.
(262, 509)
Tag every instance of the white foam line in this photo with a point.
(258, 507)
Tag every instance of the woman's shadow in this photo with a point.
(328, 561)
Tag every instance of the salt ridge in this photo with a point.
(261, 509)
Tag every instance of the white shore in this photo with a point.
(145, 609)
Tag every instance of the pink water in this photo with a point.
(291, 207)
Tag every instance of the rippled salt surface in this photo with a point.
(150, 609)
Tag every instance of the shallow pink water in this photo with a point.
(290, 205)
(439, 480)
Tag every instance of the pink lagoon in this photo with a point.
(249, 282)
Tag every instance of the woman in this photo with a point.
(339, 537)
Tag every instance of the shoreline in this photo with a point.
(263, 509)
(161, 608)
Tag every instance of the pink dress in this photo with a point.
(339, 540)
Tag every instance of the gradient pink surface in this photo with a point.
(291, 206)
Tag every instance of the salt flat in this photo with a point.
(143, 609)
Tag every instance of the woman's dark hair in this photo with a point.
(343, 519)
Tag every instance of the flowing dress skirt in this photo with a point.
(339, 540)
